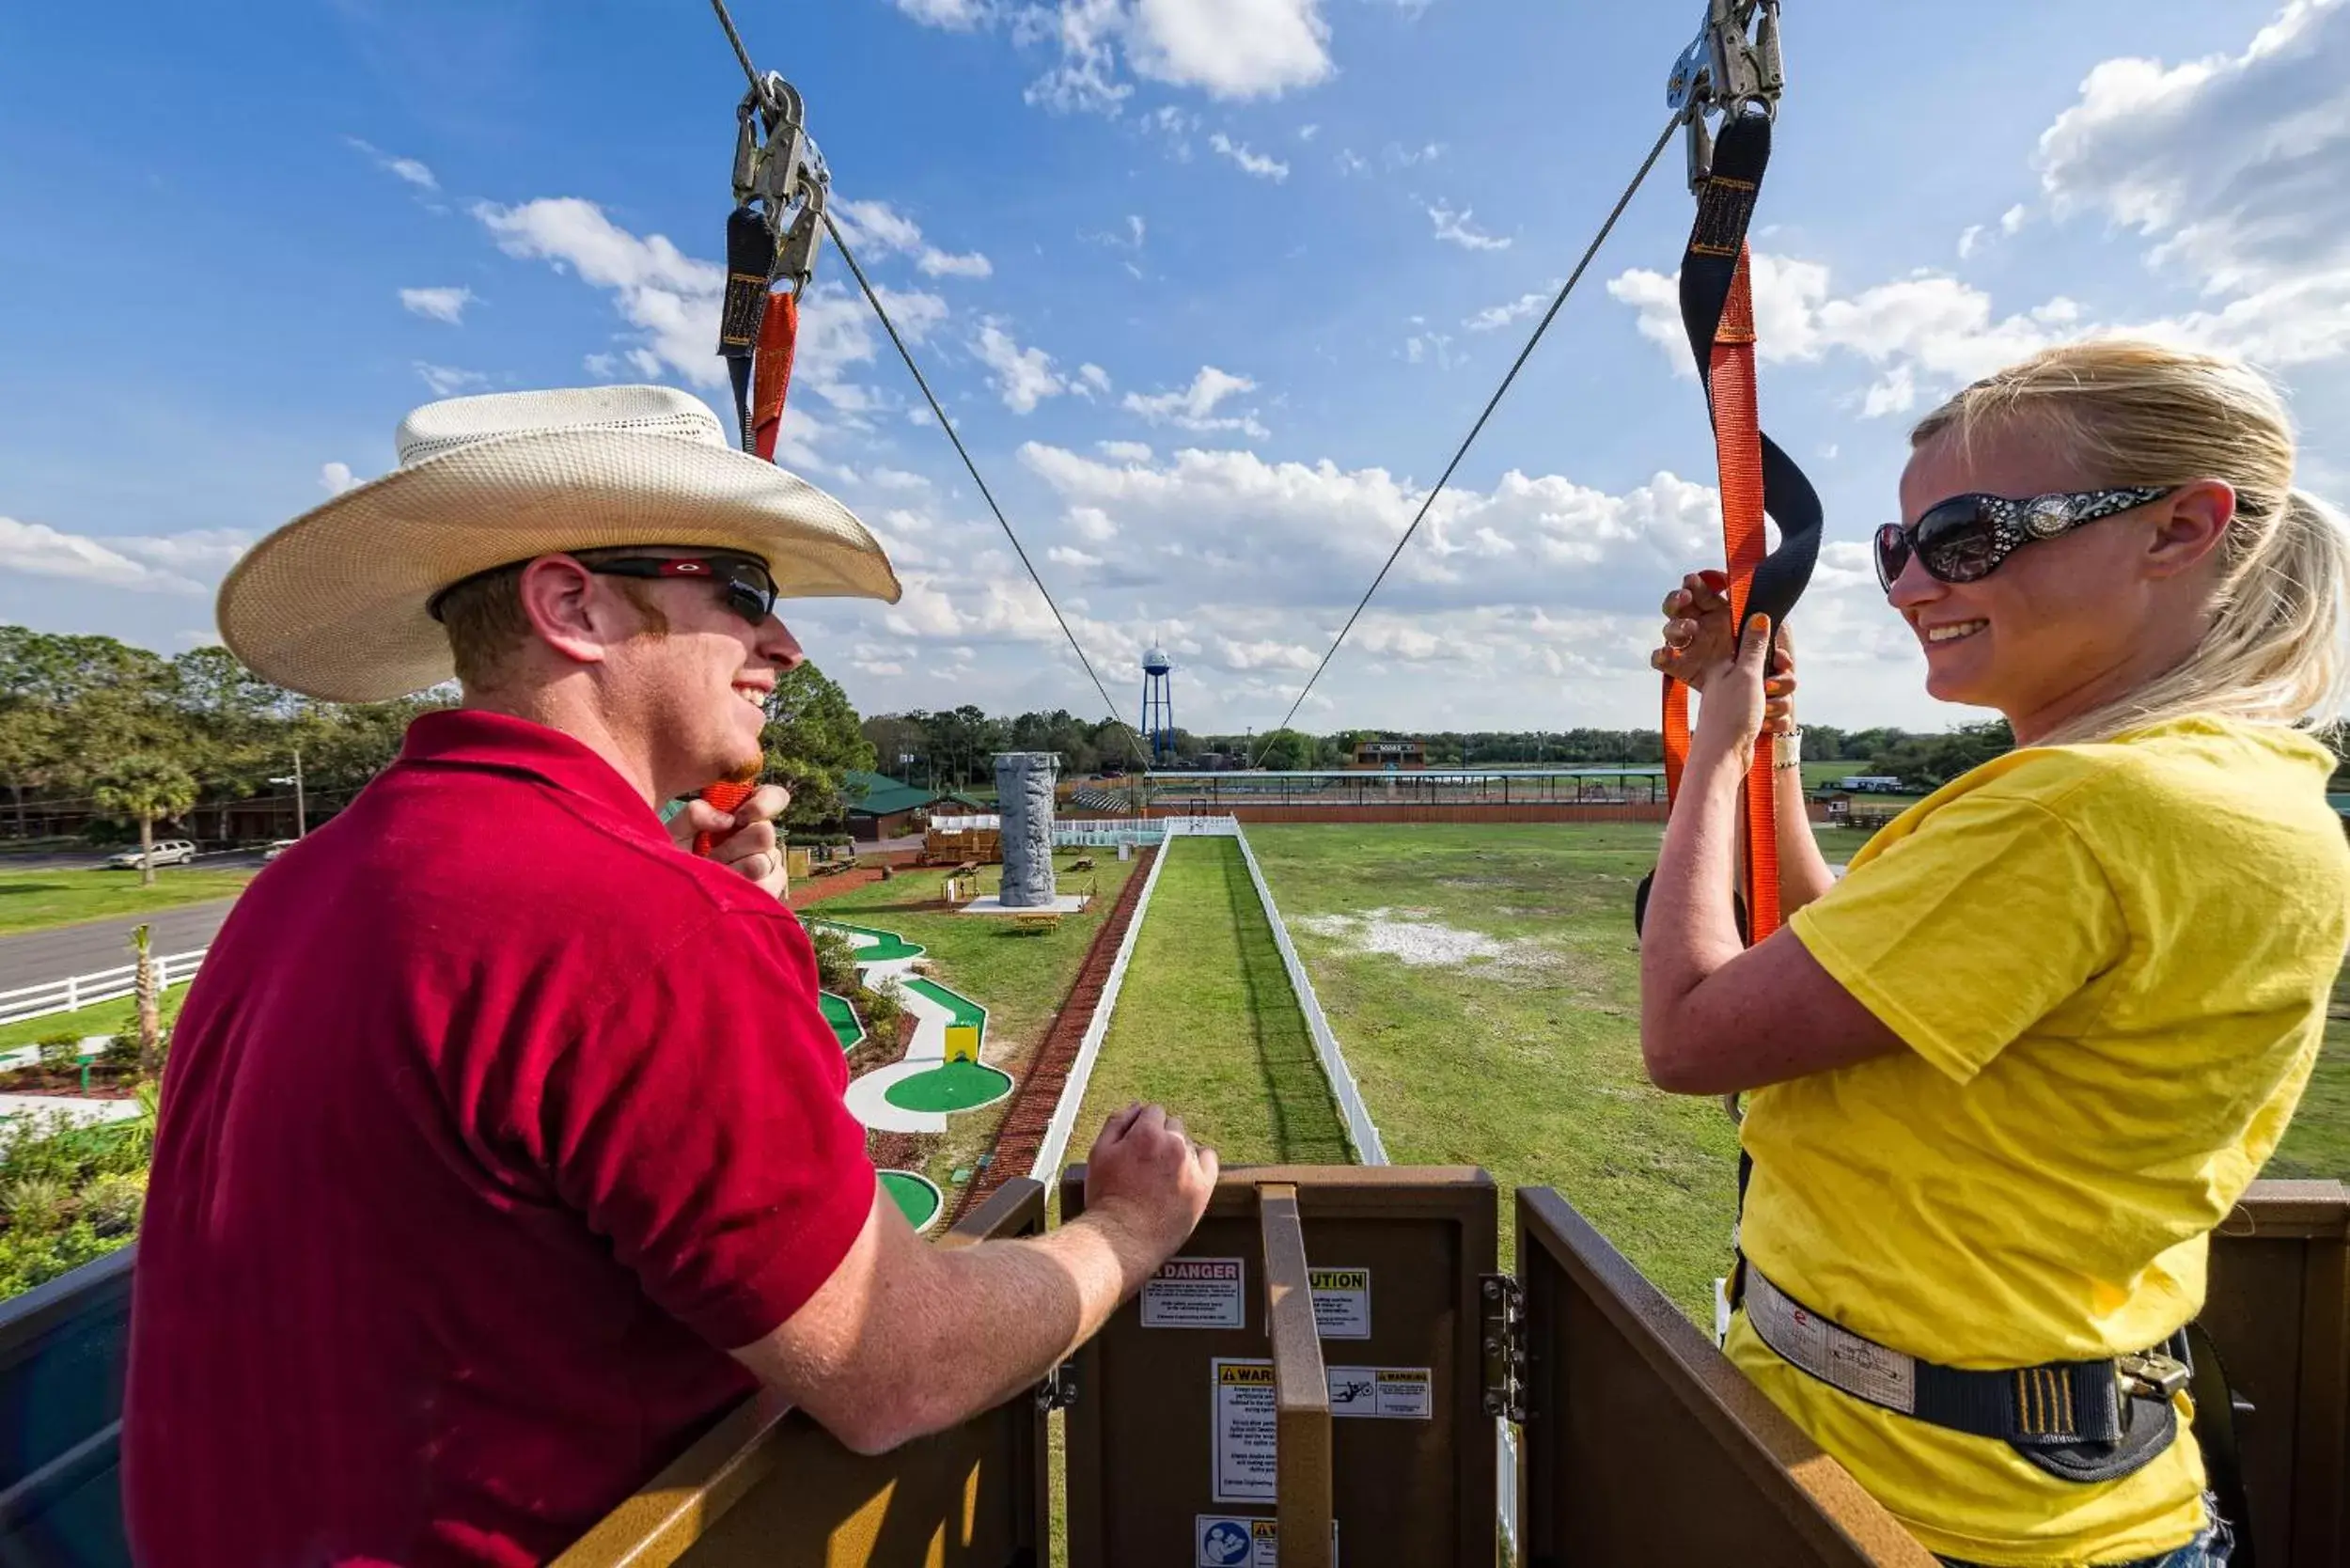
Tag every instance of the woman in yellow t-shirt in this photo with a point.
(2012, 1069)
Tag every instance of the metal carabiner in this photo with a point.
(1733, 65)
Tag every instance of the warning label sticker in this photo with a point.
(1194, 1292)
(1341, 1302)
(1235, 1541)
(1394, 1393)
(1244, 1427)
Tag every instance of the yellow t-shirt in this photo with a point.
(2111, 965)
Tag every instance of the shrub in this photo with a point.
(122, 1052)
(61, 1056)
(113, 1203)
(836, 961)
(36, 1204)
(27, 1259)
(881, 1009)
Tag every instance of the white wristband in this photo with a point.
(1787, 750)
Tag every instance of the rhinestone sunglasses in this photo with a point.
(1966, 537)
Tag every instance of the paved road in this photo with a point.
(37, 956)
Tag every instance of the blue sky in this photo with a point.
(1210, 286)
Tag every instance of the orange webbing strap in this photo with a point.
(725, 797)
(779, 338)
(1738, 454)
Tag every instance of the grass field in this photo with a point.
(1020, 978)
(1206, 1025)
(30, 899)
(1513, 1042)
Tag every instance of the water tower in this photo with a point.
(1158, 706)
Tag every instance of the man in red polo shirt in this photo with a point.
(502, 1146)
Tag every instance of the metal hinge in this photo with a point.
(1501, 1332)
(1059, 1391)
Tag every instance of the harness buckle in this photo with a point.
(2151, 1374)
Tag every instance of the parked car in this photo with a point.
(276, 848)
(168, 852)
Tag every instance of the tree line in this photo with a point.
(954, 750)
(102, 739)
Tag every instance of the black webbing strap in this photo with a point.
(750, 262)
(2215, 1434)
(1742, 155)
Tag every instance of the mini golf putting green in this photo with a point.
(916, 1196)
(881, 946)
(842, 1017)
(957, 1085)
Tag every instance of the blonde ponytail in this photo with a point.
(2143, 413)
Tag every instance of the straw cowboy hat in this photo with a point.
(333, 604)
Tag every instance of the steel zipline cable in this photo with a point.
(874, 298)
(1590, 252)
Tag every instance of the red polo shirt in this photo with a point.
(492, 1120)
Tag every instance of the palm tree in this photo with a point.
(149, 1005)
(143, 786)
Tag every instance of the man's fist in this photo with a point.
(1150, 1178)
(744, 838)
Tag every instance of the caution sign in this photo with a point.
(1388, 1393)
(1244, 1427)
(1341, 1302)
(1195, 1293)
(1242, 1541)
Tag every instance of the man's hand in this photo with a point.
(745, 837)
(1146, 1177)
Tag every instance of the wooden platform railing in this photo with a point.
(774, 1489)
(1641, 1443)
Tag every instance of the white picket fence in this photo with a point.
(102, 985)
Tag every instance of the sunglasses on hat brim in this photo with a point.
(1966, 537)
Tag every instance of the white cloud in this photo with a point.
(1230, 48)
(2011, 221)
(1349, 163)
(1022, 377)
(1495, 317)
(409, 170)
(336, 477)
(1250, 162)
(440, 305)
(1195, 407)
(1929, 328)
(207, 552)
(958, 16)
(447, 380)
(1307, 132)
(1090, 379)
(672, 299)
(1967, 239)
(41, 551)
(2231, 165)
(1062, 555)
(1092, 522)
(879, 227)
(1455, 229)
(1400, 157)
(938, 263)
(1123, 451)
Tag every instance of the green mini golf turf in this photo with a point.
(964, 1009)
(842, 1017)
(885, 946)
(958, 1086)
(916, 1198)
